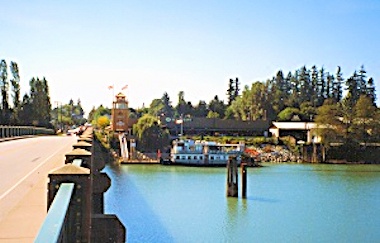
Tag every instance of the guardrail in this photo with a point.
(75, 199)
(15, 131)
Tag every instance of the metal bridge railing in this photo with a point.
(15, 131)
(76, 200)
(53, 228)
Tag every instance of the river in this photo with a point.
(285, 203)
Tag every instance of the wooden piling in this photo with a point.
(232, 177)
(243, 180)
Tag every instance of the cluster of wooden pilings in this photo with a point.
(233, 178)
(82, 186)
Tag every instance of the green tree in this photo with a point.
(150, 135)
(365, 118)
(321, 87)
(371, 90)
(181, 105)
(201, 110)
(254, 101)
(16, 93)
(156, 107)
(233, 90)
(307, 111)
(337, 92)
(26, 112)
(230, 91)
(213, 114)
(5, 112)
(218, 106)
(314, 86)
(167, 109)
(40, 102)
(328, 119)
(94, 114)
(235, 110)
(288, 113)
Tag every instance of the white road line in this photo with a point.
(31, 172)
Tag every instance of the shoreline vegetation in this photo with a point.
(258, 151)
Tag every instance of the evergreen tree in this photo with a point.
(200, 110)
(314, 86)
(15, 84)
(329, 86)
(304, 82)
(181, 105)
(217, 106)
(5, 112)
(337, 86)
(26, 112)
(371, 93)
(353, 89)
(233, 90)
(294, 99)
(278, 92)
(167, 109)
(237, 88)
(321, 87)
(365, 119)
(361, 80)
(230, 91)
(40, 102)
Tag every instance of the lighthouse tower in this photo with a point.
(119, 114)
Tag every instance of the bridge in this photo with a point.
(72, 167)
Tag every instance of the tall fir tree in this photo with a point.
(4, 85)
(371, 91)
(15, 82)
(338, 86)
(230, 91)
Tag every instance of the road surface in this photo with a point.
(24, 167)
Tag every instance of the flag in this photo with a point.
(125, 87)
(110, 87)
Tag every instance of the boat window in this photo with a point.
(177, 157)
(189, 157)
(195, 157)
(201, 157)
(212, 158)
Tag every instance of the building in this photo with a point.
(302, 131)
(119, 114)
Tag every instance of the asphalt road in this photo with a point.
(24, 162)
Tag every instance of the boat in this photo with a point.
(203, 153)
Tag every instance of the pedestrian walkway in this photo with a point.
(24, 208)
(23, 222)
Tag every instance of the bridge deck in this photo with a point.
(22, 223)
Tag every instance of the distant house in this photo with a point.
(305, 131)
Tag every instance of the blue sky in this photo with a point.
(82, 47)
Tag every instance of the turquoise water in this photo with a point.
(285, 203)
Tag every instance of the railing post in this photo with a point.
(79, 154)
(78, 228)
